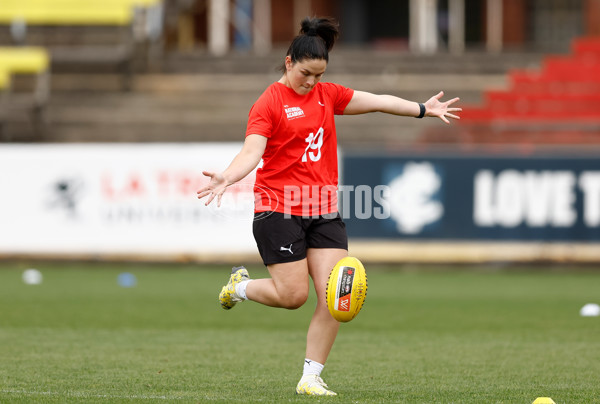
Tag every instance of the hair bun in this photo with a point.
(309, 26)
(317, 36)
(325, 28)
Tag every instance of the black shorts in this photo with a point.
(283, 238)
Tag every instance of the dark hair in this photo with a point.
(316, 38)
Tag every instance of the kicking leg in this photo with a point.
(287, 287)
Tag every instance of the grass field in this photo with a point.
(425, 335)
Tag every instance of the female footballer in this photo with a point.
(297, 227)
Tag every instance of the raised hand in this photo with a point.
(435, 107)
(215, 188)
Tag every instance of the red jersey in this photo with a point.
(299, 175)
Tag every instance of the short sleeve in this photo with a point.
(340, 96)
(260, 121)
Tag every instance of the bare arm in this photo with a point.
(245, 161)
(363, 102)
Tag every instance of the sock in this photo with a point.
(312, 368)
(240, 289)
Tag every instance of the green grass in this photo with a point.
(439, 335)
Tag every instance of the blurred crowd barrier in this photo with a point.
(138, 202)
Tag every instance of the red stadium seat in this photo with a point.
(586, 46)
(558, 104)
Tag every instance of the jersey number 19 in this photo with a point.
(315, 142)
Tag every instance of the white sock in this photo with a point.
(240, 289)
(312, 368)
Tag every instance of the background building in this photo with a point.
(415, 25)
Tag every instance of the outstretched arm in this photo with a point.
(246, 161)
(363, 102)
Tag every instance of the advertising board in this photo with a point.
(458, 197)
(120, 199)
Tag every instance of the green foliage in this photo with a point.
(431, 335)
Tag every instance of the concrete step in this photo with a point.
(356, 61)
(256, 83)
(208, 107)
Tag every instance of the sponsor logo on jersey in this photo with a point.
(294, 112)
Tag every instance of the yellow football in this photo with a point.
(346, 289)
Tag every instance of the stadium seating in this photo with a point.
(559, 104)
(29, 61)
(32, 60)
(90, 32)
(4, 87)
(72, 12)
(4, 79)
